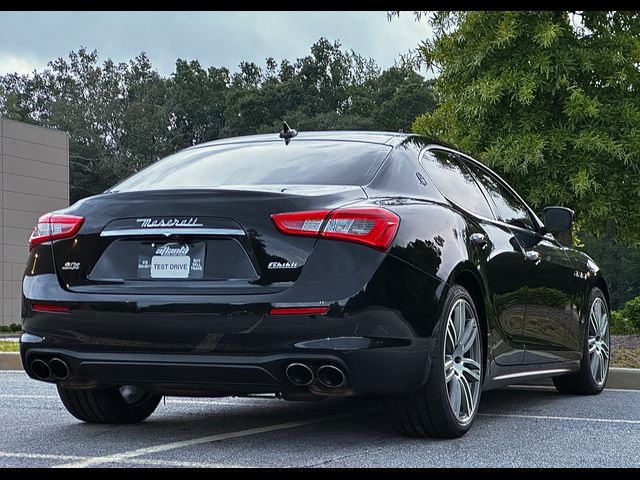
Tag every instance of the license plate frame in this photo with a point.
(172, 261)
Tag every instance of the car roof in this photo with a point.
(388, 138)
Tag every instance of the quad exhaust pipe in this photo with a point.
(40, 369)
(328, 376)
(299, 374)
(56, 369)
(331, 376)
(59, 369)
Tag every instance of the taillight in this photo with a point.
(53, 226)
(374, 227)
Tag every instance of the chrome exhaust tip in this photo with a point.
(59, 369)
(40, 369)
(299, 374)
(330, 376)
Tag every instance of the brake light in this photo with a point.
(374, 227)
(37, 307)
(53, 226)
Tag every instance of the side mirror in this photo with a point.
(558, 219)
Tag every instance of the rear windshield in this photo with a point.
(301, 162)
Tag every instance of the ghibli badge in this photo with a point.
(281, 265)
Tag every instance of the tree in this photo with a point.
(550, 100)
(121, 117)
(115, 114)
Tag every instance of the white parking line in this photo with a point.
(118, 457)
(40, 456)
(134, 461)
(571, 419)
(548, 387)
(8, 395)
(234, 402)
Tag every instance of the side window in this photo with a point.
(455, 182)
(509, 208)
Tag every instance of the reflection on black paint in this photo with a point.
(398, 286)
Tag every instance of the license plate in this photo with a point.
(170, 267)
(171, 261)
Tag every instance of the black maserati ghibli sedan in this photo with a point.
(329, 264)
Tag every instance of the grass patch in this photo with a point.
(9, 346)
(626, 357)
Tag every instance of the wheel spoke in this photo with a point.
(592, 345)
(600, 367)
(448, 369)
(455, 396)
(459, 320)
(451, 335)
(594, 326)
(605, 325)
(469, 336)
(604, 348)
(471, 375)
(467, 396)
(595, 359)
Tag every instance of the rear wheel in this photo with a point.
(446, 405)
(594, 368)
(125, 404)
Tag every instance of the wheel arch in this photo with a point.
(601, 283)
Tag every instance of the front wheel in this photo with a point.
(594, 367)
(446, 405)
(125, 404)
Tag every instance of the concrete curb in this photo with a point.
(10, 361)
(622, 378)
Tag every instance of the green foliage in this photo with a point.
(621, 325)
(627, 320)
(548, 99)
(13, 328)
(620, 264)
(9, 346)
(121, 117)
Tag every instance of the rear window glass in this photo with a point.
(302, 162)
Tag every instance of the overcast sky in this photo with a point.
(29, 40)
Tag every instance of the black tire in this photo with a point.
(582, 381)
(427, 412)
(107, 405)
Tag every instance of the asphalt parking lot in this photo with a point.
(521, 426)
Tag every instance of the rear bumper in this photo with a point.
(367, 370)
(377, 334)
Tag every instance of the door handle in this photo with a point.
(479, 238)
(532, 255)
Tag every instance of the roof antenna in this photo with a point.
(287, 133)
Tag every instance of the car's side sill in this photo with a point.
(522, 373)
(540, 373)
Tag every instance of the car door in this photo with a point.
(499, 253)
(547, 274)
(551, 307)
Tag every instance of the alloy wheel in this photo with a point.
(462, 361)
(599, 341)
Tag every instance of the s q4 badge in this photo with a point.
(281, 265)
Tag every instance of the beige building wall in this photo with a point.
(34, 179)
